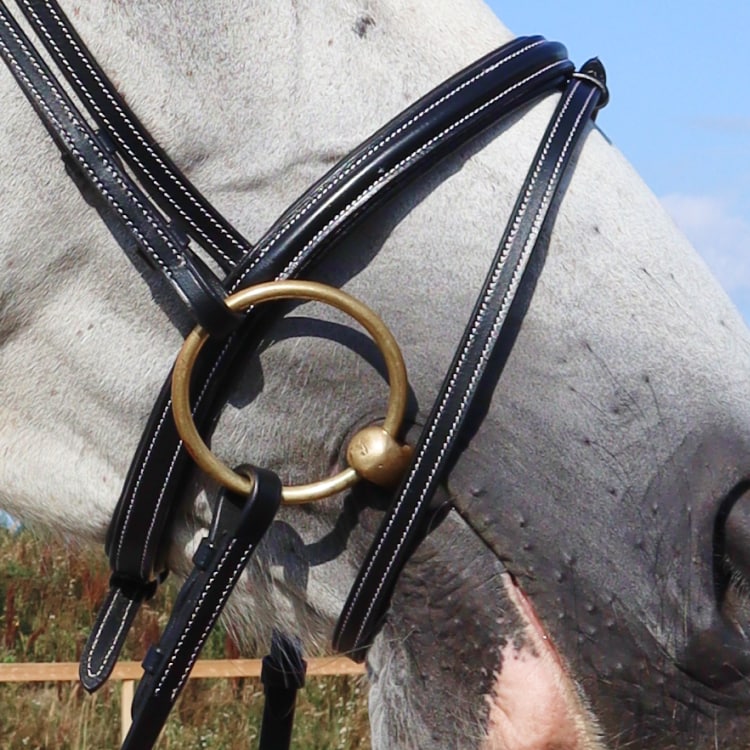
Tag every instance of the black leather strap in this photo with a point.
(90, 160)
(282, 675)
(403, 524)
(119, 609)
(239, 524)
(163, 181)
(404, 149)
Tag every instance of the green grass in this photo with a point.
(49, 595)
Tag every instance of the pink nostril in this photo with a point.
(737, 531)
(733, 560)
(717, 651)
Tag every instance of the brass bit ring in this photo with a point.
(373, 452)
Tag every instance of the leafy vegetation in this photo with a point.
(49, 594)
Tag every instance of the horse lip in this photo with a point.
(719, 657)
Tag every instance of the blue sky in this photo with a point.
(680, 109)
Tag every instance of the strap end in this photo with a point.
(107, 638)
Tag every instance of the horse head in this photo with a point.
(582, 582)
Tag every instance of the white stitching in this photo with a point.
(317, 197)
(201, 639)
(373, 187)
(104, 158)
(263, 251)
(113, 641)
(485, 351)
(289, 268)
(472, 384)
(126, 520)
(40, 100)
(168, 172)
(152, 524)
(136, 486)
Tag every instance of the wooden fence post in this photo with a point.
(126, 706)
(128, 672)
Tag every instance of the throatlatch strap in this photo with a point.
(402, 524)
(239, 524)
(404, 149)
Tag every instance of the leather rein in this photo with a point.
(121, 170)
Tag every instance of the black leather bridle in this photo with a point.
(167, 216)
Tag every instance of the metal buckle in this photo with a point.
(373, 452)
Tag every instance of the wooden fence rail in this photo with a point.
(130, 671)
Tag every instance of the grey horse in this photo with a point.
(605, 604)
